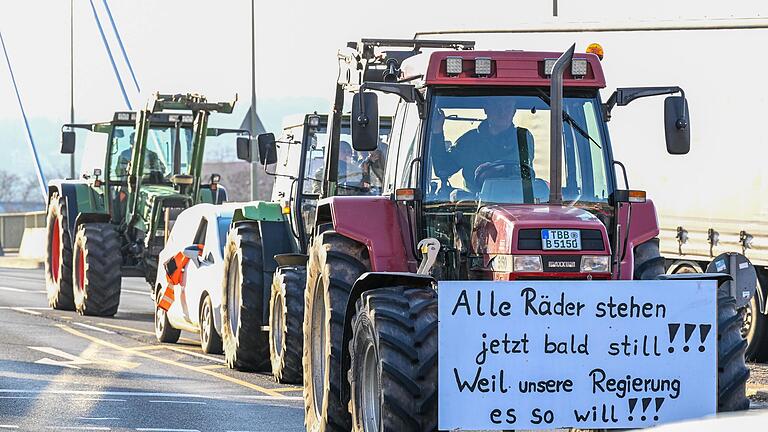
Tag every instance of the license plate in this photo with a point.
(560, 239)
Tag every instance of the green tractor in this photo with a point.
(265, 256)
(114, 222)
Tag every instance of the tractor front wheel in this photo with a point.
(58, 259)
(393, 350)
(286, 307)
(96, 269)
(245, 345)
(335, 263)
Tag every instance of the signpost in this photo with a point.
(591, 354)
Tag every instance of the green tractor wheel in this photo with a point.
(58, 259)
(97, 276)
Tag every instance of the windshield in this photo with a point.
(159, 156)
(494, 148)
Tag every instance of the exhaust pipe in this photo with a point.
(556, 127)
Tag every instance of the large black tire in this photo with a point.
(96, 273)
(648, 261)
(393, 374)
(210, 339)
(58, 255)
(335, 263)
(755, 329)
(732, 373)
(164, 331)
(286, 306)
(246, 346)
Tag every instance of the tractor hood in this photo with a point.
(518, 230)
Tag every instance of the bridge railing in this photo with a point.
(12, 226)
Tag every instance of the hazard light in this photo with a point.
(596, 49)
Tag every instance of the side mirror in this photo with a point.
(677, 126)
(68, 142)
(244, 149)
(365, 121)
(192, 252)
(267, 148)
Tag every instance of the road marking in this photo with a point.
(72, 362)
(179, 402)
(216, 366)
(26, 307)
(18, 397)
(102, 428)
(140, 331)
(98, 400)
(287, 389)
(146, 347)
(94, 328)
(9, 427)
(174, 363)
(25, 310)
(146, 293)
(5, 288)
(192, 353)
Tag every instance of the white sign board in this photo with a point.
(591, 354)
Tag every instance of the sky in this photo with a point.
(204, 46)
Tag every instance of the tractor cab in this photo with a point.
(152, 168)
(504, 158)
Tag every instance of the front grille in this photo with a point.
(530, 239)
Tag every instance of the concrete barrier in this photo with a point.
(33, 244)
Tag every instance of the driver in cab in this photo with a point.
(475, 153)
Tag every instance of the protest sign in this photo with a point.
(584, 354)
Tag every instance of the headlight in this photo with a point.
(595, 263)
(527, 263)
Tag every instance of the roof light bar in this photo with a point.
(578, 67)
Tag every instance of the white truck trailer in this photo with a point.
(714, 200)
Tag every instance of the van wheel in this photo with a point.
(164, 331)
(210, 340)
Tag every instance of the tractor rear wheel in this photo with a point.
(58, 259)
(732, 373)
(97, 276)
(286, 316)
(393, 375)
(648, 260)
(246, 346)
(335, 264)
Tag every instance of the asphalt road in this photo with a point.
(62, 371)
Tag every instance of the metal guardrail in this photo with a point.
(12, 226)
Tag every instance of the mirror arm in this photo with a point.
(623, 96)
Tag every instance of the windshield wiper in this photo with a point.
(567, 117)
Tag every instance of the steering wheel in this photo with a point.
(507, 168)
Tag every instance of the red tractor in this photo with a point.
(499, 168)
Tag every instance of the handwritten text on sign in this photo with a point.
(528, 355)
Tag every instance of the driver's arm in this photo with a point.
(445, 161)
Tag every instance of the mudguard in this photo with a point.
(79, 198)
(643, 226)
(367, 282)
(275, 240)
(372, 221)
(259, 211)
